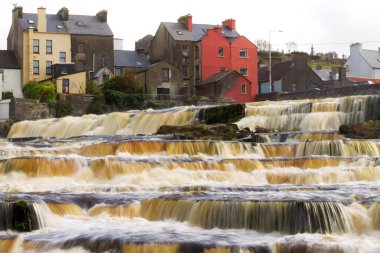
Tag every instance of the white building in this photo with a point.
(10, 74)
(363, 63)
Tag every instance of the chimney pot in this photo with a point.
(64, 14)
(230, 23)
(102, 15)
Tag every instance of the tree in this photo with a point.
(44, 92)
(291, 46)
(262, 45)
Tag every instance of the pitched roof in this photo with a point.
(278, 71)
(77, 24)
(372, 57)
(53, 22)
(8, 60)
(179, 32)
(220, 76)
(87, 25)
(125, 58)
(325, 74)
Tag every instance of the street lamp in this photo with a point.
(270, 61)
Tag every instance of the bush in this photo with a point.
(93, 88)
(123, 84)
(7, 95)
(60, 108)
(44, 92)
(98, 105)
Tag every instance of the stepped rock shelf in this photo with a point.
(267, 177)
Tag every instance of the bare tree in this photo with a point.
(291, 46)
(262, 45)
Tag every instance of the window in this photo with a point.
(103, 61)
(243, 53)
(36, 46)
(185, 71)
(197, 76)
(196, 51)
(294, 87)
(185, 50)
(222, 69)
(221, 52)
(65, 85)
(48, 67)
(62, 57)
(117, 71)
(63, 71)
(49, 46)
(80, 66)
(163, 93)
(36, 67)
(243, 88)
(81, 48)
(244, 71)
(179, 33)
(165, 74)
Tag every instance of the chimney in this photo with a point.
(218, 29)
(17, 12)
(102, 15)
(41, 19)
(355, 48)
(342, 74)
(64, 14)
(187, 21)
(230, 23)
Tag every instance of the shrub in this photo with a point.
(44, 92)
(98, 105)
(7, 95)
(93, 88)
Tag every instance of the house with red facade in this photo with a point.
(201, 51)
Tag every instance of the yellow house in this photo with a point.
(72, 83)
(41, 41)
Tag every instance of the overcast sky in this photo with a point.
(331, 25)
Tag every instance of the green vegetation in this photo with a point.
(24, 218)
(7, 95)
(119, 92)
(93, 88)
(61, 108)
(323, 64)
(44, 92)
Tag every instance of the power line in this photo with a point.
(329, 43)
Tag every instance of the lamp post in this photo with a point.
(270, 61)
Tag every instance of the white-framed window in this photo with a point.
(243, 88)
(244, 71)
(117, 71)
(243, 53)
(36, 67)
(48, 67)
(220, 52)
(49, 46)
(62, 57)
(36, 46)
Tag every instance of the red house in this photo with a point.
(201, 51)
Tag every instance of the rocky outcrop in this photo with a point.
(5, 126)
(221, 114)
(367, 130)
(207, 132)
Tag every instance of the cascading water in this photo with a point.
(121, 188)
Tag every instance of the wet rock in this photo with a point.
(19, 216)
(222, 114)
(207, 132)
(367, 130)
(5, 126)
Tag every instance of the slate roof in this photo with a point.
(77, 24)
(125, 58)
(279, 70)
(372, 57)
(8, 60)
(220, 76)
(179, 32)
(52, 22)
(324, 74)
(87, 25)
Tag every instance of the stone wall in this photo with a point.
(79, 104)
(28, 109)
(337, 92)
